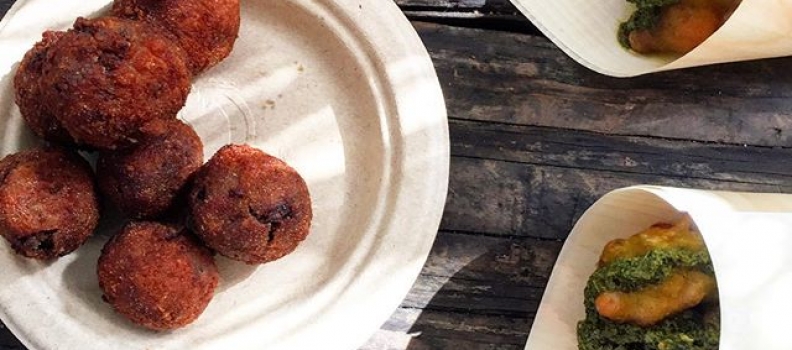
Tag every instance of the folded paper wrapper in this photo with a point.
(749, 237)
(586, 31)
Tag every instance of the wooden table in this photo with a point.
(537, 138)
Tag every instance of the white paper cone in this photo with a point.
(586, 31)
(749, 237)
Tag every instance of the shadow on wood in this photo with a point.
(498, 15)
(475, 292)
(8, 341)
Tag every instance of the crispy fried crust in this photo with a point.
(28, 92)
(157, 276)
(48, 203)
(206, 29)
(107, 77)
(146, 179)
(250, 206)
(682, 290)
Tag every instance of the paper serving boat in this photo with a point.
(586, 31)
(749, 237)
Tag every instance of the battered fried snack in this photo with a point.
(658, 236)
(107, 77)
(144, 180)
(157, 276)
(657, 290)
(48, 204)
(250, 206)
(206, 29)
(29, 96)
(680, 291)
(673, 26)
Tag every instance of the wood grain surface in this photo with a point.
(537, 138)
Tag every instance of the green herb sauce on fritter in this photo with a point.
(697, 328)
(646, 15)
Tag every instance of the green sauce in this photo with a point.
(693, 329)
(645, 17)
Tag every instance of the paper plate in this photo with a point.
(342, 90)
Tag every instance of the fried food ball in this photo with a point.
(145, 180)
(682, 290)
(107, 77)
(250, 206)
(205, 29)
(28, 93)
(48, 202)
(157, 276)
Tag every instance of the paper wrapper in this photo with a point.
(749, 237)
(586, 31)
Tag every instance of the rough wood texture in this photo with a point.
(480, 5)
(523, 79)
(8, 341)
(536, 139)
(489, 14)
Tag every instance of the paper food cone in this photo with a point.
(749, 237)
(586, 31)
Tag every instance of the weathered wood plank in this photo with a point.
(414, 329)
(475, 292)
(484, 275)
(524, 79)
(8, 341)
(644, 155)
(4, 6)
(492, 5)
(529, 181)
(519, 199)
(488, 14)
(510, 22)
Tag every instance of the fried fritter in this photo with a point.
(661, 235)
(205, 29)
(680, 291)
(157, 276)
(145, 180)
(654, 290)
(682, 26)
(48, 203)
(107, 77)
(28, 93)
(250, 206)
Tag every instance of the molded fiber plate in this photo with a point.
(342, 90)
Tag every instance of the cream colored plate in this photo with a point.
(342, 90)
